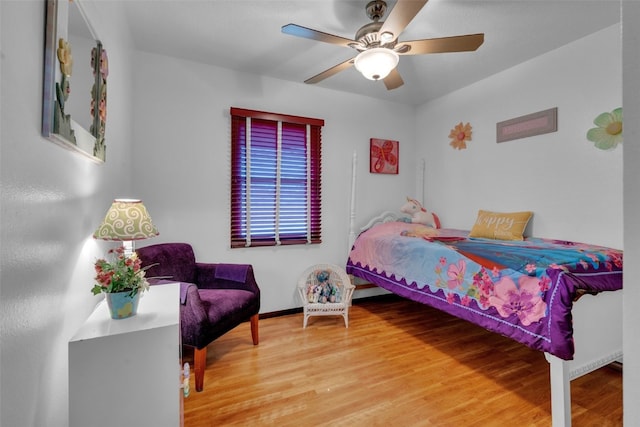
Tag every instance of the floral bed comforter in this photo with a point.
(521, 289)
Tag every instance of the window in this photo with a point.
(275, 179)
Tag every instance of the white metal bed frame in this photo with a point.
(597, 322)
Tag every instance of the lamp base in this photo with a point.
(128, 248)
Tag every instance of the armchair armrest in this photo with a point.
(236, 276)
(194, 320)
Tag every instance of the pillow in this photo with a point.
(500, 225)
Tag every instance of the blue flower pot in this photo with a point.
(121, 305)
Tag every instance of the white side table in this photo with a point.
(127, 371)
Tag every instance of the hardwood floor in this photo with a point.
(398, 364)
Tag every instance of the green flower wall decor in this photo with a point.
(608, 134)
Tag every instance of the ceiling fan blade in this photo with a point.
(393, 80)
(465, 43)
(400, 16)
(330, 72)
(308, 33)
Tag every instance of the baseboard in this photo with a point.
(616, 365)
(280, 313)
(355, 301)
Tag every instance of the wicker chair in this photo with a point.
(325, 290)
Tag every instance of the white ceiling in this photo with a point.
(245, 35)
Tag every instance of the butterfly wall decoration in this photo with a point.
(383, 156)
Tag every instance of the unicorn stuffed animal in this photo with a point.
(419, 215)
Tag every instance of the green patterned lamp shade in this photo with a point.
(126, 220)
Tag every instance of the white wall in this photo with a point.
(182, 143)
(631, 314)
(52, 201)
(574, 189)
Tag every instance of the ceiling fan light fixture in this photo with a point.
(386, 37)
(376, 63)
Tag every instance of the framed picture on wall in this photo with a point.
(383, 156)
(530, 125)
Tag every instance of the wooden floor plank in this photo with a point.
(399, 363)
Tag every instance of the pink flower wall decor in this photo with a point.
(459, 135)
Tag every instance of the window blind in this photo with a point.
(275, 179)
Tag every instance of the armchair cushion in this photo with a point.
(226, 309)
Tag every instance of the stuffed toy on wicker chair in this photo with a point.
(325, 290)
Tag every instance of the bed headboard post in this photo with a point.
(420, 174)
(352, 205)
(420, 181)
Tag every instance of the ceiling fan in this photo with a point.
(378, 45)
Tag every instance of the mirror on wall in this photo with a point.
(75, 81)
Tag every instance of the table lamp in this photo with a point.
(127, 220)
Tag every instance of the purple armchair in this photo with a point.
(215, 298)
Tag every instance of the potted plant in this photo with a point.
(122, 280)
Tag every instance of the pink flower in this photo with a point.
(465, 300)
(104, 64)
(486, 288)
(485, 276)
(530, 268)
(456, 274)
(122, 273)
(544, 284)
(99, 265)
(495, 272)
(477, 278)
(443, 261)
(523, 301)
(482, 282)
(484, 301)
(102, 110)
(616, 257)
(450, 298)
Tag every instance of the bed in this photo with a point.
(558, 297)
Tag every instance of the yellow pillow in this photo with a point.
(501, 226)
